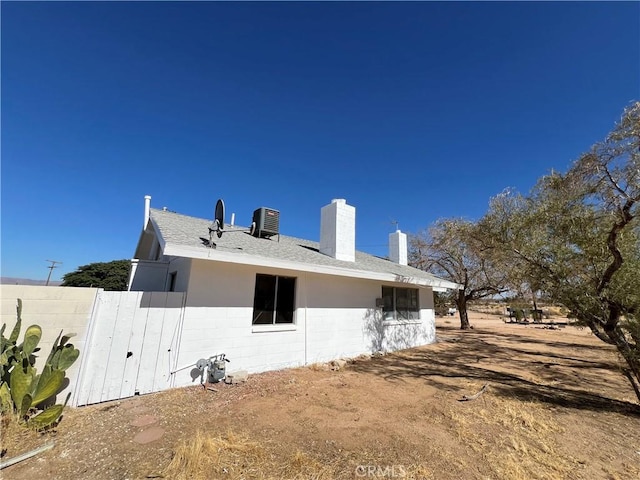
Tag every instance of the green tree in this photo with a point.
(577, 235)
(449, 249)
(112, 275)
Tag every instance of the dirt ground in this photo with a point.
(555, 406)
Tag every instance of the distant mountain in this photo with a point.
(27, 281)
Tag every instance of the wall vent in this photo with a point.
(267, 222)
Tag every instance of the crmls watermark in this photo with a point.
(378, 471)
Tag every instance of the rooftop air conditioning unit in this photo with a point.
(267, 222)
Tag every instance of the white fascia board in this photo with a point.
(244, 259)
(157, 231)
(442, 289)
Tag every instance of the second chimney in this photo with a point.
(398, 247)
(338, 230)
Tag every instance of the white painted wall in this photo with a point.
(54, 309)
(218, 319)
(153, 276)
(148, 276)
(343, 321)
(335, 317)
(141, 342)
(182, 267)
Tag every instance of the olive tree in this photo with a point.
(449, 249)
(577, 235)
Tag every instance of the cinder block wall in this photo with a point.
(54, 309)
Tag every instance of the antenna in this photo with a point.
(217, 227)
(51, 267)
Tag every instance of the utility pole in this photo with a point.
(51, 267)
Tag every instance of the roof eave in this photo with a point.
(245, 259)
(150, 231)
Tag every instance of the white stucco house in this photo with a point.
(270, 301)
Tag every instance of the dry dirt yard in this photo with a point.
(556, 406)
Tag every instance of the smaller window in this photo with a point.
(172, 281)
(400, 303)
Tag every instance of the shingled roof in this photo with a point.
(185, 236)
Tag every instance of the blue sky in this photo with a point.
(411, 111)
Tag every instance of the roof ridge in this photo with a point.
(162, 210)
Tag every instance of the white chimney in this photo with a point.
(398, 247)
(147, 208)
(338, 230)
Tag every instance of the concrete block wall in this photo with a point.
(54, 309)
(335, 317)
(218, 319)
(343, 320)
(338, 312)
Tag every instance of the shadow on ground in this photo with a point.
(560, 373)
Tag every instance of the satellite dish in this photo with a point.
(219, 217)
(217, 227)
(218, 223)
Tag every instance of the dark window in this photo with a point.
(400, 303)
(172, 281)
(274, 300)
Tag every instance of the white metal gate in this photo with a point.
(131, 345)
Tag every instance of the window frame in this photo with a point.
(267, 301)
(407, 310)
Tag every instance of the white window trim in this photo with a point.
(395, 320)
(278, 327)
(387, 323)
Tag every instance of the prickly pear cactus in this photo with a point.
(22, 390)
(9, 350)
